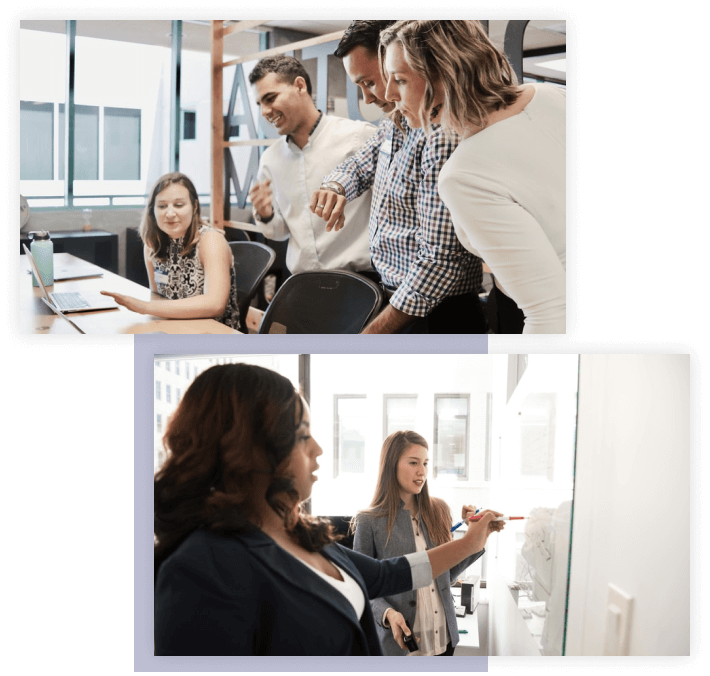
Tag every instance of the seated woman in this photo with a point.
(505, 183)
(240, 567)
(188, 262)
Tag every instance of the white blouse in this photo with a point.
(347, 587)
(505, 189)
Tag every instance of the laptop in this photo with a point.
(70, 301)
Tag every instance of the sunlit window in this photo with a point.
(350, 433)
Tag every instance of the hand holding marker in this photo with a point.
(478, 518)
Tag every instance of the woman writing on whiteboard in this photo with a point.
(188, 263)
(240, 567)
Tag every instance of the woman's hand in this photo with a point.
(478, 531)
(468, 510)
(130, 303)
(398, 625)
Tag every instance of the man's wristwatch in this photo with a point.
(334, 187)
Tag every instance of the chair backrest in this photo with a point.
(325, 301)
(252, 261)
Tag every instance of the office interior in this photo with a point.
(139, 97)
(592, 449)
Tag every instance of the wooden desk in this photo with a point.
(36, 317)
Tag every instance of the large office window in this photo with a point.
(122, 107)
(350, 432)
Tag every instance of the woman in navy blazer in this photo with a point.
(240, 568)
(400, 508)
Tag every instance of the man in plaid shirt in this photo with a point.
(431, 282)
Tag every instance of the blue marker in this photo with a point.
(461, 523)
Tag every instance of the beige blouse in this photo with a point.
(430, 621)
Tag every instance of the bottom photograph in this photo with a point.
(415, 505)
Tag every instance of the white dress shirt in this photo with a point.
(295, 175)
(505, 189)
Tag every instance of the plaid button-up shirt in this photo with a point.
(412, 241)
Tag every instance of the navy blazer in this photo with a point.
(245, 595)
(371, 538)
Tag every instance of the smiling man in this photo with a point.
(431, 282)
(311, 144)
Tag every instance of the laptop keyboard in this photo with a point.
(69, 300)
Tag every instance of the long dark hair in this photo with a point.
(234, 423)
(434, 512)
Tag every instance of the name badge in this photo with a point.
(386, 147)
(161, 278)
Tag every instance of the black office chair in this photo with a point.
(342, 527)
(327, 301)
(252, 261)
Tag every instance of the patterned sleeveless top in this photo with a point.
(185, 277)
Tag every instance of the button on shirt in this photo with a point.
(295, 175)
(412, 241)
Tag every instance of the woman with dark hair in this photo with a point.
(403, 518)
(240, 568)
(188, 262)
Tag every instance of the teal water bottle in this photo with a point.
(42, 251)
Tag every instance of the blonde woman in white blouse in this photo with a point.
(505, 183)
(403, 519)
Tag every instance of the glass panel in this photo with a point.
(350, 435)
(535, 479)
(36, 140)
(42, 79)
(130, 83)
(86, 143)
(451, 436)
(400, 413)
(122, 144)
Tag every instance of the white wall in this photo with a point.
(631, 512)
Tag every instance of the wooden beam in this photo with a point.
(217, 192)
(242, 26)
(286, 48)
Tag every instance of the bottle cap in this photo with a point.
(38, 234)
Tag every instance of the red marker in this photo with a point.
(500, 518)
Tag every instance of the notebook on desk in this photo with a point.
(70, 301)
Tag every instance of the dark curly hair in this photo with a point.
(234, 423)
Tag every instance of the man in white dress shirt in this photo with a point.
(292, 169)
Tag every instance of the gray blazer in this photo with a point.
(371, 539)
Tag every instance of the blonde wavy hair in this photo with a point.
(476, 76)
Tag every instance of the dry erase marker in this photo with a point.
(461, 523)
(500, 518)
